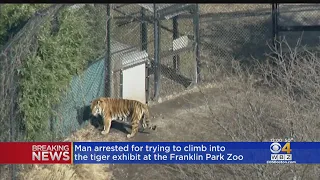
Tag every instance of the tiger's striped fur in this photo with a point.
(113, 109)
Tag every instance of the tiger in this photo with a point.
(116, 108)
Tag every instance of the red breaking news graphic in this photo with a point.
(35, 152)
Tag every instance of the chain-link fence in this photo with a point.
(51, 67)
(244, 32)
(291, 16)
(233, 32)
(177, 55)
(168, 40)
(13, 53)
(74, 110)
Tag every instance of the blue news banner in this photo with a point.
(196, 153)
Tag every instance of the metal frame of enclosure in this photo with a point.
(276, 28)
(159, 12)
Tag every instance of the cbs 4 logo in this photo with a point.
(277, 148)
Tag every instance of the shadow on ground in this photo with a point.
(84, 115)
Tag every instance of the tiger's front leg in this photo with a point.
(107, 125)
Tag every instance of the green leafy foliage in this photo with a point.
(46, 73)
(13, 17)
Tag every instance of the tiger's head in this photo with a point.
(96, 107)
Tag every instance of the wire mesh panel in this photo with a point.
(136, 26)
(17, 42)
(176, 55)
(45, 51)
(299, 15)
(233, 31)
(125, 30)
(125, 24)
(74, 110)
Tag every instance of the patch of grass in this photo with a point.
(72, 172)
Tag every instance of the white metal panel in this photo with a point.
(134, 83)
(149, 6)
(180, 43)
(133, 57)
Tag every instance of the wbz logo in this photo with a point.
(276, 148)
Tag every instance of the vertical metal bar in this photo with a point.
(12, 118)
(197, 41)
(108, 70)
(277, 21)
(144, 47)
(11, 136)
(273, 23)
(121, 83)
(12, 166)
(156, 54)
(275, 12)
(144, 31)
(52, 128)
(175, 35)
(147, 82)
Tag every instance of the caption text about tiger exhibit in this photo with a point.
(153, 153)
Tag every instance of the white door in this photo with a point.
(134, 83)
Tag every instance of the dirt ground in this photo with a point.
(206, 113)
(175, 118)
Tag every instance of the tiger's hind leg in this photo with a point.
(107, 125)
(146, 123)
(135, 127)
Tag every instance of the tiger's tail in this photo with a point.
(146, 122)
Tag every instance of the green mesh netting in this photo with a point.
(74, 110)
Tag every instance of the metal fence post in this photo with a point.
(197, 42)
(108, 61)
(13, 126)
(175, 35)
(144, 31)
(156, 53)
(144, 47)
(275, 11)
